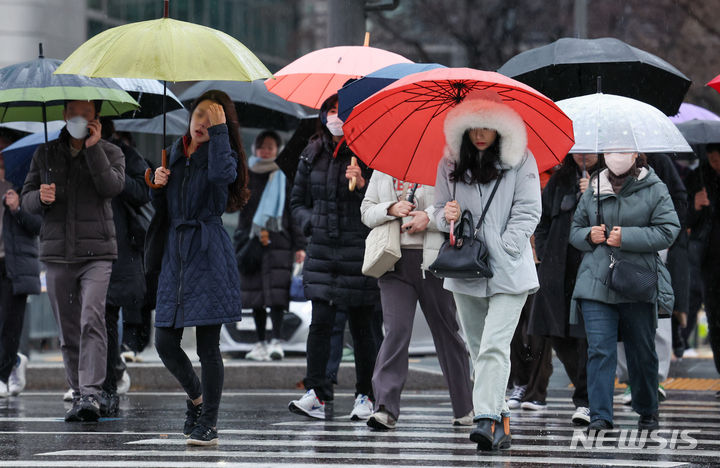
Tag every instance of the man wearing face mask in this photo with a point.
(637, 220)
(71, 183)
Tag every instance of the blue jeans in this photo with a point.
(636, 324)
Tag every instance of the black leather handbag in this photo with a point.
(464, 255)
(631, 280)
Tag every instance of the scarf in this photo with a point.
(269, 213)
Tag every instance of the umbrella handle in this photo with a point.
(353, 181)
(148, 172)
(453, 239)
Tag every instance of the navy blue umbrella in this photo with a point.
(356, 92)
(17, 157)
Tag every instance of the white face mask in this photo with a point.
(334, 124)
(619, 163)
(77, 127)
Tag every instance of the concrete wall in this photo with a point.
(60, 25)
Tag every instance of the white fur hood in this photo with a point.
(485, 113)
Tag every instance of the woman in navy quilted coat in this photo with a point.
(199, 283)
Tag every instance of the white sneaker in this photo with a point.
(4, 391)
(130, 356)
(68, 396)
(534, 405)
(381, 420)
(581, 416)
(16, 382)
(516, 396)
(275, 350)
(362, 409)
(466, 420)
(626, 398)
(259, 352)
(308, 405)
(123, 385)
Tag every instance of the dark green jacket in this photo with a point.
(645, 211)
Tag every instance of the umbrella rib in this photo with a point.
(412, 158)
(307, 75)
(377, 153)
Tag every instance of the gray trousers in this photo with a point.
(77, 294)
(400, 291)
(663, 347)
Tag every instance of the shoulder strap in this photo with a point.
(487, 205)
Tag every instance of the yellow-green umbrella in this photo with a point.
(167, 50)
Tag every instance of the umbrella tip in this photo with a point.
(367, 39)
(40, 55)
(599, 84)
(166, 12)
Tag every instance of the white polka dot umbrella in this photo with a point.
(606, 123)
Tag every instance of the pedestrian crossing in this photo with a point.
(266, 435)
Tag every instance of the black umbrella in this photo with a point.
(289, 157)
(700, 132)
(256, 106)
(569, 67)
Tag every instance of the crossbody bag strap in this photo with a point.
(487, 205)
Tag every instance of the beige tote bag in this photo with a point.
(382, 249)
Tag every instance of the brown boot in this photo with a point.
(501, 436)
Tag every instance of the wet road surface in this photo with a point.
(257, 430)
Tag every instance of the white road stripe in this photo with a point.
(179, 464)
(436, 446)
(480, 457)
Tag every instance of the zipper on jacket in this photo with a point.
(180, 303)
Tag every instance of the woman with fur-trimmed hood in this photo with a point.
(486, 144)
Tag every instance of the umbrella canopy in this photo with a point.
(700, 132)
(34, 127)
(314, 77)
(28, 87)
(569, 67)
(354, 93)
(715, 83)
(165, 49)
(692, 112)
(605, 123)
(18, 156)
(256, 106)
(176, 124)
(399, 130)
(150, 94)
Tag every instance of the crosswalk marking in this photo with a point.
(480, 457)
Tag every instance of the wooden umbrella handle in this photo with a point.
(353, 181)
(148, 172)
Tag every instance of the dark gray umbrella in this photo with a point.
(569, 67)
(256, 106)
(700, 132)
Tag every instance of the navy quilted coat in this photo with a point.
(199, 282)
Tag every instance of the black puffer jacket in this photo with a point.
(270, 286)
(127, 281)
(19, 232)
(78, 226)
(329, 213)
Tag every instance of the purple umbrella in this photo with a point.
(692, 112)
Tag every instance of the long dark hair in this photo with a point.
(238, 192)
(568, 171)
(482, 170)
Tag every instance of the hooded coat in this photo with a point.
(19, 233)
(199, 282)
(515, 210)
(329, 213)
(645, 211)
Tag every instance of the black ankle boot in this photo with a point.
(483, 434)
(501, 437)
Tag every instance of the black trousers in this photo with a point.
(711, 295)
(167, 343)
(115, 365)
(276, 316)
(318, 348)
(12, 315)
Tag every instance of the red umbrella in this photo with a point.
(399, 130)
(715, 83)
(318, 75)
